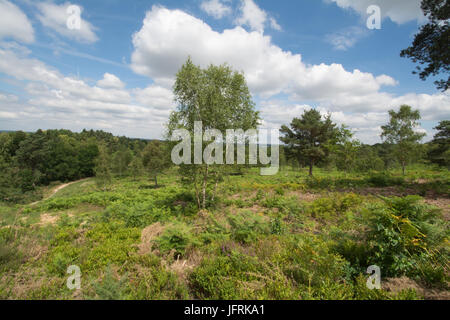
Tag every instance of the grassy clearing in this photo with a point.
(281, 237)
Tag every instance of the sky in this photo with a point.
(110, 64)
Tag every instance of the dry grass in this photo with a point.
(398, 284)
(148, 235)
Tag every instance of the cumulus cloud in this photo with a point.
(215, 8)
(168, 37)
(14, 23)
(110, 81)
(161, 46)
(254, 17)
(58, 100)
(366, 126)
(399, 11)
(156, 96)
(55, 17)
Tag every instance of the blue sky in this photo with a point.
(115, 72)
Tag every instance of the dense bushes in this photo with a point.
(402, 232)
(400, 235)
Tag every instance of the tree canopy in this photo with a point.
(218, 97)
(401, 131)
(439, 152)
(309, 137)
(431, 46)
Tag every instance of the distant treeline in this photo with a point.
(28, 160)
(31, 159)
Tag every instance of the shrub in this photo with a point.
(272, 268)
(177, 237)
(111, 287)
(401, 231)
(247, 226)
(385, 180)
(152, 281)
(336, 205)
(109, 243)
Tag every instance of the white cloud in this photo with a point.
(274, 24)
(162, 45)
(168, 37)
(8, 97)
(58, 101)
(215, 8)
(110, 81)
(156, 96)
(399, 11)
(252, 16)
(366, 126)
(55, 17)
(346, 38)
(14, 23)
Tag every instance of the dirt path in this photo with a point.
(57, 189)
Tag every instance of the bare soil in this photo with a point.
(399, 284)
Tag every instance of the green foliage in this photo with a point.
(402, 231)
(401, 132)
(176, 238)
(384, 180)
(155, 282)
(218, 97)
(430, 45)
(121, 160)
(310, 137)
(277, 227)
(290, 269)
(439, 152)
(156, 158)
(110, 243)
(247, 226)
(266, 238)
(136, 167)
(102, 168)
(111, 287)
(10, 257)
(336, 205)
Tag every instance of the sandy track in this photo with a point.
(57, 189)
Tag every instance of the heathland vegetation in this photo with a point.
(140, 227)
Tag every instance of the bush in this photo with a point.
(153, 281)
(385, 180)
(336, 205)
(400, 232)
(109, 243)
(111, 287)
(247, 226)
(273, 268)
(176, 238)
